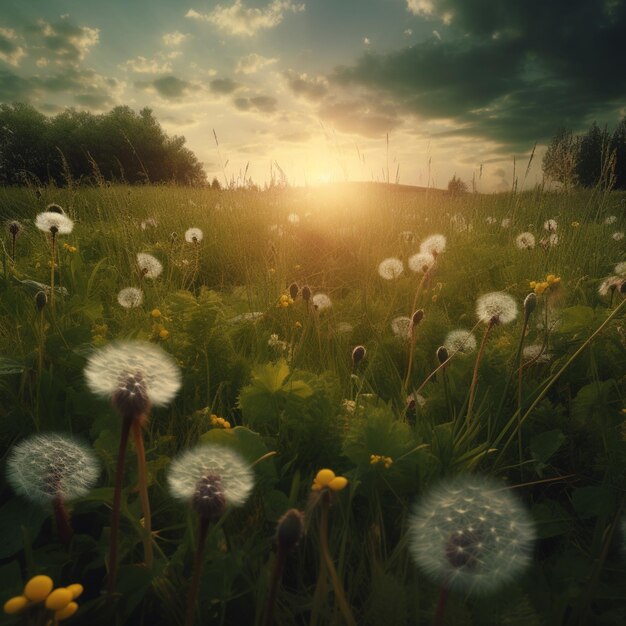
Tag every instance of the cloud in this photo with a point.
(261, 104)
(223, 85)
(360, 117)
(168, 87)
(252, 63)
(243, 21)
(296, 137)
(174, 39)
(506, 71)
(141, 65)
(63, 41)
(305, 86)
(10, 51)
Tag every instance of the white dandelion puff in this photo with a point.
(401, 327)
(536, 353)
(234, 475)
(390, 268)
(611, 219)
(505, 223)
(497, 307)
(193, 235)
(609, 284)
(435, 244)
(618, 236)
(421, 262)
(48, 466)
(462, 341)
(620, 269)
(149, 222)
(491, 220)
(550, 225)
(130, 297)
(149, 266)
(471, 534)
(55, 223)
(111, 367)
(525, 241)
(321, 301)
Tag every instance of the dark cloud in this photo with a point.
(309, 88)
(14, 88)
(262, 104)
(507, 70)
(223, 85)
(168, 87)
(360, 117)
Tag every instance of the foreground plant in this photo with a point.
(470, 534)
(210, 478)
(43, 603)
(327, 485)
(14, 228)
(53, 469)
(135, 376)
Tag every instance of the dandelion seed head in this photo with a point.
(46, 466)
(120, 365)
(609, 284)
(421, 262)
(401, 327)
(390, 268)
(321, 301)
(611, 219)
(550, 225)
(491, 220)
(213, 461)
(55, 223)
(193, 235)
(130, 297)
(525, 241)
(497, 306)
(536, 352)
(461, 341)
(618, 236)
(435, 244)
(505, 223)
(620, 269)
(471, 534)
(14, 228)
(149, 266)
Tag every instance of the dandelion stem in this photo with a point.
(52, 270)
(117, 499)
(143, 491)
(418, 291)
(441, 605)
(62, 518)
(470, 404)
(277, 573)
(198, 562)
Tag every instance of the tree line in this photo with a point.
(596, 157)
(72, 146)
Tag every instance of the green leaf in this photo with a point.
(575, 319)
(271, 376)
(543, 446)
(10, 366)
(593, 399)
(15, 515)
(593, 501)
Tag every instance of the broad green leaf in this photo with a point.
(543, 446)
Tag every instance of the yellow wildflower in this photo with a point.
(326, 478)
(67, 611)
(58, 599)
(155, 313)
(575, 224)
(38, 588)
(15, 605)
(164, 333)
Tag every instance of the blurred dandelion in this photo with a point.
(54, 223)
(401, 327)
(525, 241)
(320, 301)
(462, 341)
(536, 353)
(620, 269)
(505, 223)
(618, 236)
(149, 222)
(550, 225)
(491, 220)
(496, 307)
(471, 534)
(435, 245)
(149, 266)
(15, 229)
(52, 468)
(611, 219)
(407, 236)
(193, 235)
(421, 262)
(130, 297)
(390, 268)
(293, 219)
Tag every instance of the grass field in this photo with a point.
(527, 427)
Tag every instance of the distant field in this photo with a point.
(537, 402)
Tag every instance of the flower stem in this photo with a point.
(117, 499)
(470, 404)
(198, 562)
(52, 271)
(62, 518)
(441, 605)
(277, 574)
(143, 492)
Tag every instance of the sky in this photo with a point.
(331, 90)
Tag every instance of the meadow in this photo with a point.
(301, 338)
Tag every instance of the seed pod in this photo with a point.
(130, 399)
(417, 317)
(358, 354)
(208, 499)
(293, 290)
(41, 299)
(530, 303)
(306, 293)
(442, 354)
(289, 530)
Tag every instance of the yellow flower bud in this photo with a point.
(324, 476)
(164, 334)
(38, 588)
(155, 313)
(58, 599)
(532, 284)
(76, 590)
(15, 605)
(550, 278)
(338, 483)
(66, 611)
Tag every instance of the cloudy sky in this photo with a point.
(317, 86)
